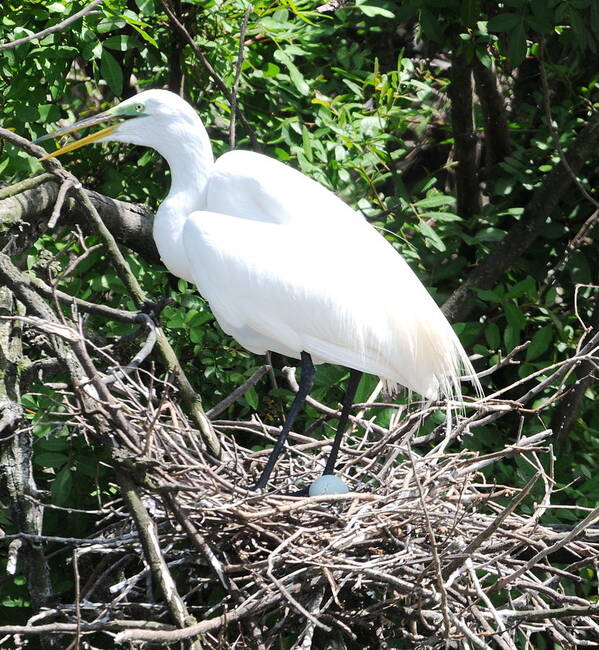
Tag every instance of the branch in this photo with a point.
(554, 135)
(238, 392)
(591, 518)
(497, 135)
(16, 451)
(559, 612)
(332, 5)
(212, 72)
(147, 531)
(464, 136)
(524, 232)
(192, 400)
(130, 223)
(250, 607)
(238, 65)
(52, 30)
(567, 411)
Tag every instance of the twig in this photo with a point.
(85, 306)
(24, 185)
(140, 357)
(252, 607)
(491, 528)
(559, 612)
(573, 244)
(584, 524)
(552, 130)
(224, 404)
(284, 591)
(435, 553)
(52, 30)
(62, 193)
(211, 71)
(149, 539)
(238, 65)
(332, 5)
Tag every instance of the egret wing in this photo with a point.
(253, 186)
(344, 299)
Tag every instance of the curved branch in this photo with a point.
(524, 232)
(52, 30)
(129, 223)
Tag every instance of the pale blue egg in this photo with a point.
(327, 484)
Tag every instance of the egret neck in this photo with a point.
(189, 156)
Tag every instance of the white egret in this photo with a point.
(284, 264)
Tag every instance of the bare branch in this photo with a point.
(52, 30)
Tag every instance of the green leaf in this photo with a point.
(50, 459)
(251, 397)
(540, 342)
(490, 234)
(146, 7)
(511, 338)
(469, 11)
(56, 7)
(432, 236)
(145, 35)
(516, 45)
(514, 316)
(493, 336)
(430, 26)
(307, 143)
(294, 74)
(371, 10)
(121, 43)
(435, 201)
(109, 23)
(61, 486)
(504, 22)
(525, 287)
(366, 385)
(112, 72)
(489, 295)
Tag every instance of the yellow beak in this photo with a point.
(111, 114)
(88, 139)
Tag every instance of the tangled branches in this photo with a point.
(424, 549)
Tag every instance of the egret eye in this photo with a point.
(139, 107)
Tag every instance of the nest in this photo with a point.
(423, 552)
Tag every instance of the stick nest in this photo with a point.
(425, 551)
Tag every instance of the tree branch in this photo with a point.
(52, 30)
(497, 136)
(524, 232)
(212, 72)
(130, 223)
(567, 411)
(16, 451)
(464, 136)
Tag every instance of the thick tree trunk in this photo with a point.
(497, 137)
(16, 471)
(464, 137)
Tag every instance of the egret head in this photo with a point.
(152, 118)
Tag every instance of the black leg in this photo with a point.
(305, 386)
(350, 393)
